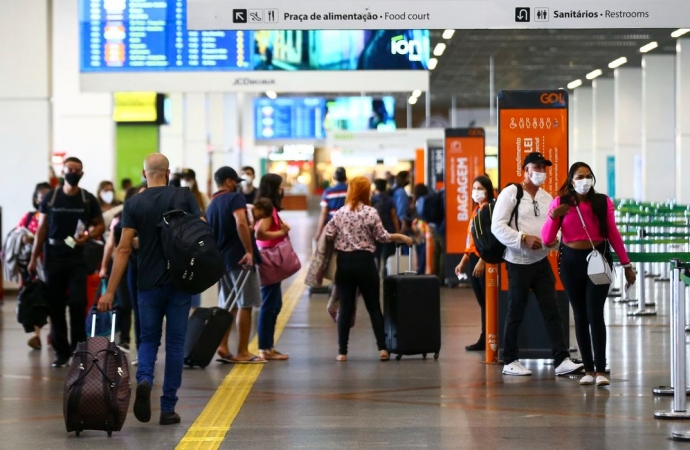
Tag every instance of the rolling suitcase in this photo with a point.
(412, 312)
(207, 326)
(97, 388)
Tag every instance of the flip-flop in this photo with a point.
(225, 360)
(253, 360)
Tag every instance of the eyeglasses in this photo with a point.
(536, 208)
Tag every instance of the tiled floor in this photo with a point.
(312, 401)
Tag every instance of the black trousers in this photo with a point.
(539, 278)
(479, 288)
(588, 300)
(358, 270)
(66, 282)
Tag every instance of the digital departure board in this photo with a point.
(149, 35)
(290, 118)
(152, 36)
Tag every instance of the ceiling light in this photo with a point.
(593, 74)
(618, 62)
(432, 63)
(416, 93)
(439, 49)
(574, 84)
(271, 94)
(449, 34)
(649, 47)
(678, 33)
(412, 100)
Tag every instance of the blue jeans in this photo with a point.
(134, 297)
(172, 304)
(271, 304)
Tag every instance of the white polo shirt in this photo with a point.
(528, 223)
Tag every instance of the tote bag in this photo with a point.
(278, 262)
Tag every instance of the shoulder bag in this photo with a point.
(278, 262)
(598, 268)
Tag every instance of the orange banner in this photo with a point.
(464, 148)
(419, 166)
(533, 121)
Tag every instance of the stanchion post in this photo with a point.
(641, 285)
(491, 274)
(678, 410)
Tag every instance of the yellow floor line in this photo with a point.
(209, 429)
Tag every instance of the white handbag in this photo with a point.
(598, 269)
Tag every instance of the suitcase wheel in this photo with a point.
(204, 366)
(423, 355)
(78, 433)
(435, 356)
(110, 433)
(398, 357)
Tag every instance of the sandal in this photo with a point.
(384, 356)
(252, 360)
(225, 358)
(341, 358)
(35, 343)
(273, 355)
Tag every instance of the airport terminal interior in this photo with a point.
(418, 115)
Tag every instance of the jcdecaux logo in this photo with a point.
(412, 48)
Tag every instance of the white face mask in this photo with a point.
(478, 195)
(538, 178)
(184, 183)
(583, 186)
(107, 197)
(247, 180)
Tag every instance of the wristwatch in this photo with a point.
(523, 238)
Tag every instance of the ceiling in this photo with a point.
(530, 59)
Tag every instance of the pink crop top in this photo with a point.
(571, 227)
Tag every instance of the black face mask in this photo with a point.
(73, 178)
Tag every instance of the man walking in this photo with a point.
(527, 265)
(333, 199)
(158, 296)
(227, 216)
(70, 217)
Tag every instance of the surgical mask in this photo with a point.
(73, 178)
(478, 195)
(538, 178)
(583, 186)
(184, 183)
(247, 180)
(107, 197)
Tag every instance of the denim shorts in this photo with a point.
(250, 297)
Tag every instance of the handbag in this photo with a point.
(278, 263)
(598, 269)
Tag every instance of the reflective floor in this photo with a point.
(312, 401)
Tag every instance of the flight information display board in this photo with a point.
(145, 35)
(290, 118)
(152, 36)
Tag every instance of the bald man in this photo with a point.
(158, 297)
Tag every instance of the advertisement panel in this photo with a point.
(464, 153)
(533, 121)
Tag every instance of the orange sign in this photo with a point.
(533, 121)
(464, 162)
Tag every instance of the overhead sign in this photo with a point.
(137, 107)
(434, 14)
(533, 121)
(464, 153)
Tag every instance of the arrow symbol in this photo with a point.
(239, 16)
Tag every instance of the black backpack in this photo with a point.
(490, 249)
(192, 256)
(384, 214)
(434, 208)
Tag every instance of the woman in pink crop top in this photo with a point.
(586, 298)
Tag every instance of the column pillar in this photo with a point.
(683, 120)
(602, 133)
(172, 134)
(628, 130)
(196, 154)
(658, 127)
(25, 107)
(581, 127)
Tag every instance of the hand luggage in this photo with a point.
(207, 326)
(412, 312)
(97, 388)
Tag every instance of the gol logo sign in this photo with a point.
(551, 98)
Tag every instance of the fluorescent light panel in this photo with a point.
(433, 62)
(448, 34)
(593, 74)
(649, 47)
(574, 84)
(679, 32)
(412, 100)
(439, 49)
(618, 62)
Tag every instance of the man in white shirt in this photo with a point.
(527, 265)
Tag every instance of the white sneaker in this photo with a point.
(517, 369)
(568, 366)
(602, 380)
(587, 380)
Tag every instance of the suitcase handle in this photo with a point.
(237, 288)
(398, 252)
(94, 314)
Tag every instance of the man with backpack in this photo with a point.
(158, 297)
(518, 218)
(70, 217)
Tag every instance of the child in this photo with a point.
(262, 208)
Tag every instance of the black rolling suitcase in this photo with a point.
(97, 386)
(207, 326)
(412, 312)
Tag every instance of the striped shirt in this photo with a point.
(334, 198)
